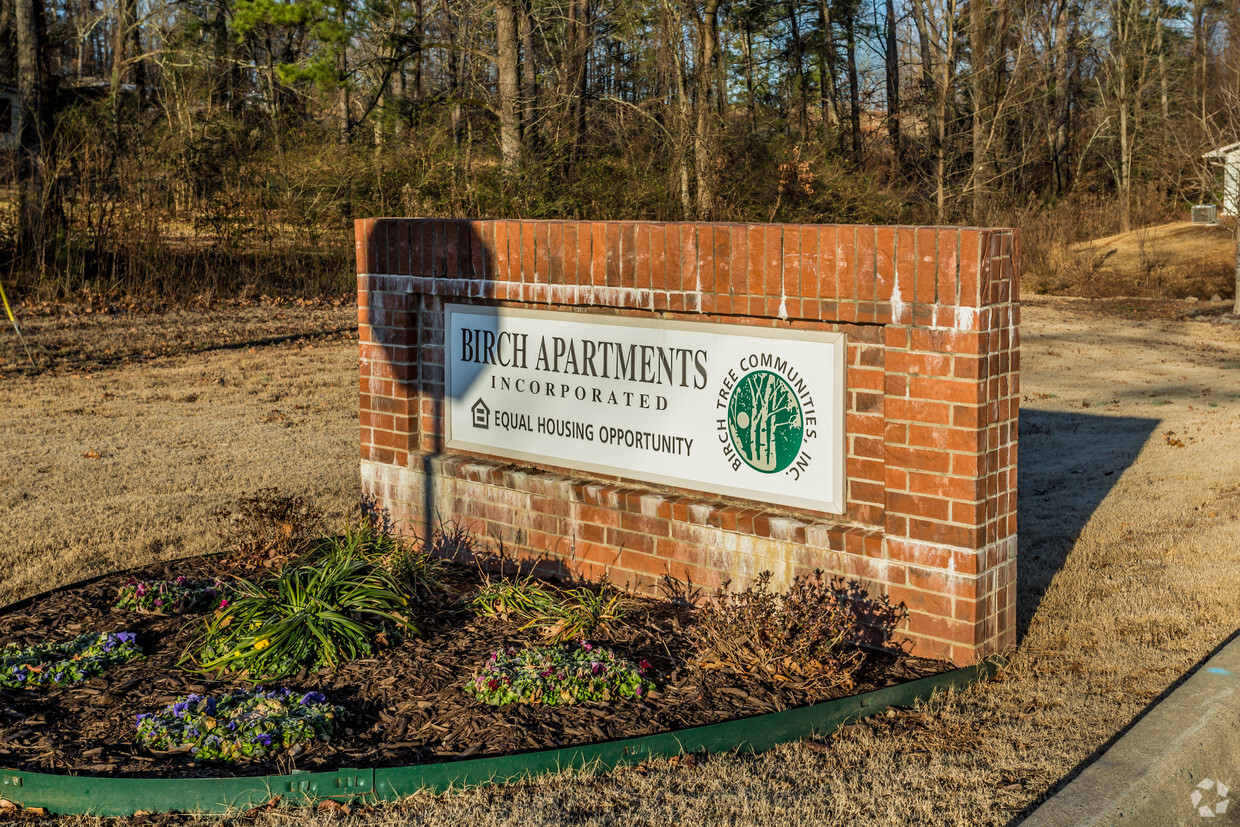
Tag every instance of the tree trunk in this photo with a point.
(747, 52)
(576, 51)
(1125, 168)
(826, 67)
(980, 57)
(1061, 81)
(1200, 35)
(891, 60)
(703, 143)
(529, 72)
(854, 100)
(419, 26)
(509, 84)
(1236, 238)
(342, 67)
(1162, 71)
(135, 46)
(125, 10)
(798, 68)
(37, 207)
(937, 59)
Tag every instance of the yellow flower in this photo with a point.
(262, 644)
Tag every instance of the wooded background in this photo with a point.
(212, 146)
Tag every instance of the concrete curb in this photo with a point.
(1150, 774)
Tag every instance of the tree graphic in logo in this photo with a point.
(765, 422)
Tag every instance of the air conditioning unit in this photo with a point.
(1205, 214)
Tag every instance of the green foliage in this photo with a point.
(555, 675)
(328, 608)
(810, 631)
(179, 596)
(67, 662)
(557, 615)
(418, 572)
(239, 725)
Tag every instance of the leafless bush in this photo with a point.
(808, 633)
(266, 529)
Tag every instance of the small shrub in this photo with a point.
(267, 529)
(179, 596)
(572, 614)
(322, 611)
(68, 662)
(555, 675)
(809, 632)
(239, 725)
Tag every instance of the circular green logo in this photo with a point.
(765, 422)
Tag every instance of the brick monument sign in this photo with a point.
(705, 402)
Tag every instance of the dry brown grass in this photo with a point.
(1175, 260)
(1130, 545)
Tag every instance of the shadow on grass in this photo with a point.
(1068, 464)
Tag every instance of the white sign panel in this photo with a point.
(747, 412)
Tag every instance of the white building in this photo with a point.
(1229, 157)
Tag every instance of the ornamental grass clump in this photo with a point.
(179, 596)
(808, 633)
(67, 662)
(559, 616)
(556, 675)
(418, 573)
(239, 725)
(326, 609)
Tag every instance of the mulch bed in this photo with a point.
(406, 705)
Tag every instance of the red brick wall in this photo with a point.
(931, 315)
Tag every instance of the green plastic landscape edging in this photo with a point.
(125, 796)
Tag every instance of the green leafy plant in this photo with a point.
(179, 596)
(239, 725)
(555, 675)
(809, 632)
(326, 609)
(417, 571)
(559, 616)
(67, 662)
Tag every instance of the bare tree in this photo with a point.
(509, 83)
(38, 207)
(936, 32)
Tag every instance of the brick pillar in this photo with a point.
(951, 401)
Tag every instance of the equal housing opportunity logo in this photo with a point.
(770, 415)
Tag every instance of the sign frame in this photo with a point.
(836, 430)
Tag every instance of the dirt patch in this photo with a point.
(406, 705)
(1129, 561)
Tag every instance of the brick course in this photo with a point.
(932, 320)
